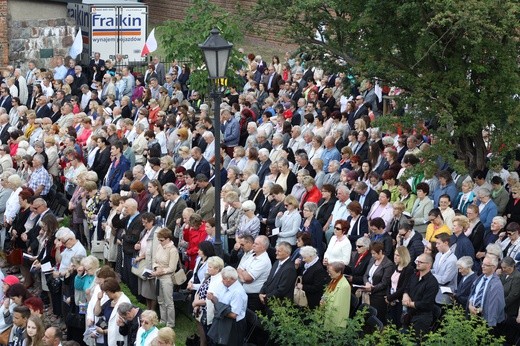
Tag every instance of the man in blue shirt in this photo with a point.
(330, 153)
(231, 130)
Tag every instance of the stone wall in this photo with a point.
(4, 40)
(37, 31)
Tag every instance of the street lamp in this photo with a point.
(216, 52)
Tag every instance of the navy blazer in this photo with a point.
(359, 229)
(316, 232)
(116, 174)
(370, 199)
(263, 171)
(202, 168)
(464, 289)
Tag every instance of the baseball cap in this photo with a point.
(11, 280)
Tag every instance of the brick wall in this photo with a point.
(4, 41)
(162, 10)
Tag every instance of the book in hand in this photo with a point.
(446, 290)
(29, 257)
(147, 273)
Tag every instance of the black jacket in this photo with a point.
(402, 283)
(281, 284)
(130, 328)
(132, 232)
(314, 280)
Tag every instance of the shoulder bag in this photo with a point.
(300, 298)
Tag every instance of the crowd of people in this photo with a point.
(314, 198)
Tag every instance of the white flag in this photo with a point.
(77, 46)
(150, 45)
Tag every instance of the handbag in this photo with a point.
(15, 257)
(300, 298)
(54, 284)
(98, 249)
(4, 336)
(179, 277)
(138, 269)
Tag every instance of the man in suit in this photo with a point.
(365, 195)
(204, 199)
(444, 268)
(487, 294)
(361, 148)
(174, 205)
(281, 279)
(42, 110)
(263, 168)
(6, 99)
(119, 166)
(332, 177)
(510, 279)
(159, 69)
(411, 239)
(360, 111)
(79, 80)
(140, 175)
(262, 142)
(102, 158)
(4, 127)
(129, 219)
(201, 165)
(273, 79)
(98, 62)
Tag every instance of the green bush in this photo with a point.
(289, 325)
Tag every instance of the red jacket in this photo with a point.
(194, 236)
(314, 195)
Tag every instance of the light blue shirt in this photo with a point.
(329, 155)
(60, 72)
(235, 296)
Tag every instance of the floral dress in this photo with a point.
(91, 210)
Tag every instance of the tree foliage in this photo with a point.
(180, 39)
(457, 60)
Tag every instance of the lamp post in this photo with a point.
(216, 52)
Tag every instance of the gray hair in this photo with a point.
(508, 261)
(363, 241)
(343, 188)
(263, 151)
(311, 206)
(249, 205)
(15, 181)
(484, 192)
(235, 169)
(494, 260)
(494, 250)
(208, 134)
(465, 262)
(514, 176)
(308, 251)
(39, 158)
(500, 219)
(106, 189)
(65, 232)
(171, 188)
(253, 178)
(229, 273)
(334, 163)
(285, 245)
(124, 308)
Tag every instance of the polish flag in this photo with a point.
(150, 45)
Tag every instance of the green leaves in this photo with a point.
(181, 39)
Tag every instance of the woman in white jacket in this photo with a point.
(148, 330)
(203, 308)
(108, 310)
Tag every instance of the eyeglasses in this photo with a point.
(487, 265)
(161, 240)
(359, 246)
(420, 262)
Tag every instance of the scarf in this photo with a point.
(494, 193)
(145, 335)
(360, 258)
(333, 283)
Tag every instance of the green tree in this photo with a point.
(457, 60)
(180, 39)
